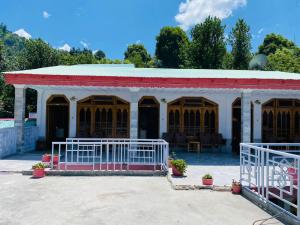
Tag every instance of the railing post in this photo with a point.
(298, 190)
(94, 158)
(52, 155)
(58, 162)
(241, 152)
(267, 175)
(107, 155)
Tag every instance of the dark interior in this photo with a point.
(148, 121)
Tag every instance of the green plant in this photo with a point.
(180, 165)
(39, 166)
(207, 176)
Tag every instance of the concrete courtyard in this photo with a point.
(117, 200)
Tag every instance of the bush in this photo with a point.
(180, 165)
(207, 176)
(39, 166)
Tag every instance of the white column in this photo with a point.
(257, 123)
(73, 119)
(163, 106)
(39, 110)
(246, 116)
(134, 112)
(43, 114)
(19, 115)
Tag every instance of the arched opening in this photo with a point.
(57, 118)
(236, 125)
(280, 120)
(192, 116)
(103, 117)
(148, 118)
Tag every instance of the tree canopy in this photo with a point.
(240, 40)
(273, 42)
(137, 54)
(99, 54)
(37, 54)
(170, 44)
(207, 48)
(284, 59)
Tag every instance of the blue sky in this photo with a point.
(111, 25)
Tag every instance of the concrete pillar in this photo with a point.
(73, 119)
(39, 110)
(134, 112)
(163, 115)
(257, 123)
(19, 115)
(246, 116)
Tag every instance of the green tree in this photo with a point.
(2, 65)
(240, 41)
(38, 53)
(273, 42)
(99, 55)
(137, 54)
(170, 45)
(227, 63)
(285, 60)
(207, 47)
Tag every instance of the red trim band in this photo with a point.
(147, 82)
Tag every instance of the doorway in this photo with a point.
(57, 118)
(148, 126)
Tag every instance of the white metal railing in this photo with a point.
(111, 154)
(271, 170)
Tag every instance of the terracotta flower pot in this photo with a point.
(46, 158)
(38, 173)
(55, 159)
(207, 181)
(175, 172)
(236, 189)
(170, 163)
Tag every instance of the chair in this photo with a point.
(206, 140)
(180, 139)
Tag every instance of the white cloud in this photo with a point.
(65, 47)
(46, 15)
(84, 44)
(196, 11)
(260, 30)
(22, 33)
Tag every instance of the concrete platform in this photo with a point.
(18, 163)
(222, 166)
(117, 200)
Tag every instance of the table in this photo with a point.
(194, 145)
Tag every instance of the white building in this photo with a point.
(123, 101)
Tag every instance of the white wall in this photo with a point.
(8, 140)
(223, 97)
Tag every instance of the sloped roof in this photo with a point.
(128, 70)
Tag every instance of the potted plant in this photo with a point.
(178, 167)
(207, 179)
(55, 159)
(46, 158)
(236, 187)
(171, 158)
(39, 170)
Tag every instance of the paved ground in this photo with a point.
(17, 163)
(117, 200)
(222, 166)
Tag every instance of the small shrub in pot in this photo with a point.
(178, 167)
